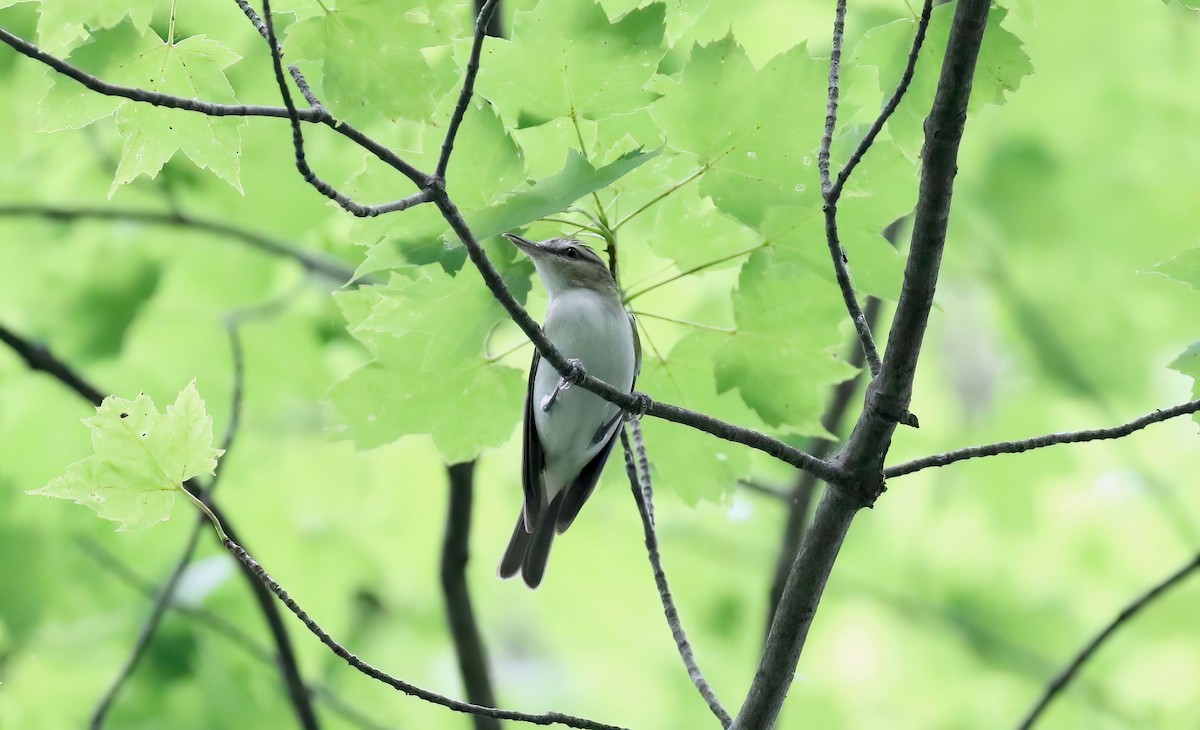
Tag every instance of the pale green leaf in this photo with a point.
(1002, 65)
(371, 55)
(141, 458)
(429, 375)
(785, 352)
(760, 150)
(1184, 267)
(566, 59)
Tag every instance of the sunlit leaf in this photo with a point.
(142, 457)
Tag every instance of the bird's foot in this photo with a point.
(574, 375)
(641, 409)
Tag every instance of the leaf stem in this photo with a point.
(695, 174)
(695, 269)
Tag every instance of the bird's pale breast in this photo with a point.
(593, 328)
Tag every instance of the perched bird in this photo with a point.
(569, 432)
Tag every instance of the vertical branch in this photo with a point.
(889, 394)
(643, 494)
(468, 644)
(464, 629)
(802, 495)
(841, 266)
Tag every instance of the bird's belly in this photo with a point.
(573, 430)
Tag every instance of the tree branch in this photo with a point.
(40, 358)
(888, 396)
(167, 593)
(316, 115)
(468, 643)
(549, 718)
(294, 117)
(906, 77)
(1059, 683)
(1038, 442)
(220, 625)
(841, 267)
(483, 24)
(312, 263)
(156, 98)
(643, 494)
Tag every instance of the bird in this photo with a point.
(569, 432)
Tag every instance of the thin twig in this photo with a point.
(212, 109)
(643, 494)
(549, 718)
(219, 625)
(482, 23)
(906, 78)
(1038, 442)
(167, 592)
(464, 629)
(294, 116)
(1059, 683)
(309, 261)
(161, 603)
(301, 82)
(39, 358)
(841, 266)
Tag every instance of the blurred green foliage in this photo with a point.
(691, 129)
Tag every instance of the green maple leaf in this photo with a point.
(371, 52)
(429, 375)
(142, 457)
(566, 59)
(760, 150)
(785, 352)
(192, 68)
(61, 23)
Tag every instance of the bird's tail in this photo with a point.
(527, 552)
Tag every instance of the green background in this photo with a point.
(955, 599)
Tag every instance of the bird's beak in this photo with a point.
(530, 247)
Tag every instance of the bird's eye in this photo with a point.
(571, 253)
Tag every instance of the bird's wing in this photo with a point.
(637, 350)
(533, 461)
(578, 491)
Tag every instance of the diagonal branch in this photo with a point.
(1039, 442)
(1059, 683)
(464, 629)
(482, 25)
(294, 117)
(311, 262)
(39, 358)
(316, 115)
(643, 494)
(835, 191)
(219, 625)
(167, 593)
(212, 109)
(549, 718)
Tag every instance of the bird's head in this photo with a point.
(564, 264)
